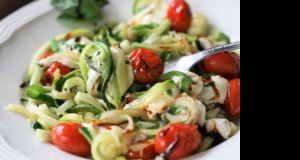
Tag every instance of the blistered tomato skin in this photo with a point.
(179, 14)
(225, 64)
(66, 136)
(184, 140)
(232, 102)
(147, 65)
(48, 75)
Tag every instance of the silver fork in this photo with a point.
(185, 63)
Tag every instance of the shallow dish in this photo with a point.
(24, 31)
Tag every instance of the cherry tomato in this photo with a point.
(48, 76)
(225, 64)
(232, 102)
(147, 65)
(66, 136)
(179, 14)
(184, 140)
(145, 154)
(47, 55)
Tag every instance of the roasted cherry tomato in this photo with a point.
(232, 102)
(147, 65)
(66, 136)
(179, 14)
(48, 76)
(225, 64)
(145, 154)
(47, 55)
(177, 140)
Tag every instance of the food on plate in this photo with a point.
(127, 107)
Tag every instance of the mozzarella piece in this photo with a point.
(206, 43)
(214, 93)
(218, 125)
(197, 85)
(201, 113)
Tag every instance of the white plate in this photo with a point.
(24, 31)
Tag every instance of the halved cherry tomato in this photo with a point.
(145, 154)
(184, 140)
(232, 102)
(48, 77)
(47, 55)
(225, 64)
(179, 14)
(66, 136)
(147, 65)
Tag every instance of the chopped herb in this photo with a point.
(154, 127)
(207, 76)
(41, 65)
(78, 46)
(97, 116)
(23, 100)
(150, 136)
(36, 125)
(24, 84)
(169, 92)
(174, 110)
(209, 84)
(54, 45)
(98, 53)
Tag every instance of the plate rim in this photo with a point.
(8, 26)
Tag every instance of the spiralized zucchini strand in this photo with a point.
(135, 113)
(81, 98)
(59, 56)
(109, 144)
(37, 74)
(66, 105)
(22, 110)
(72, 82)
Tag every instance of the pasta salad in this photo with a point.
(128, 107)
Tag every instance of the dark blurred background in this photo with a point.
(9, 6)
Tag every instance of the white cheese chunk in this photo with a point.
(218, 125)
(197, 85)
(214, 93)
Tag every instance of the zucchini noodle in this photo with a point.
(109, 144)
(81, 98)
